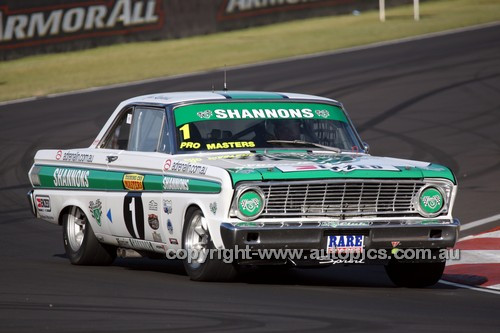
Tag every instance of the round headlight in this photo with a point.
(250, 204)
(430, 201)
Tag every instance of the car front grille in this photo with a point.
(357, 198)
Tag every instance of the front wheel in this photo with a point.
(415, 275)
(196, 241)
(80, 243)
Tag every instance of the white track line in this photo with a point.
(480, 222)
(484, 290)
(277, 61)
(476, 257)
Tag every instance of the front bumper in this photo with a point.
(425, 233)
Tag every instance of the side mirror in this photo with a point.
(366, 147)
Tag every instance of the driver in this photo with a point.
(288, 130)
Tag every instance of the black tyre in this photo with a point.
(80, 243)
(196, 239)
(415, 275)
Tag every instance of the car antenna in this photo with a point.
(225, 81)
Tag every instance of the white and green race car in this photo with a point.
(231, 178)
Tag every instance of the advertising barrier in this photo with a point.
(40, 26)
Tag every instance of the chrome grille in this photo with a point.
(341, 198)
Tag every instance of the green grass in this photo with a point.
(45, 74)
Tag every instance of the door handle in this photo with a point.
(112, 158)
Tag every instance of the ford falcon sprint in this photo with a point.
(192, 175)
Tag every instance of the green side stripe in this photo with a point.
(250, 110)
(80, 178)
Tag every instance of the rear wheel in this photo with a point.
(415, 275)
(197, 243)
(80, 243)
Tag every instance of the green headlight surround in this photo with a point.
(430, 201)
(249, 203)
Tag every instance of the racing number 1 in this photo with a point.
(133, 213)
(186, 135)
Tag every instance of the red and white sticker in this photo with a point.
(59, 155)
(42, 203)
(293, 168)
(167, 165)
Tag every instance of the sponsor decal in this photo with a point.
(167, 165)
(71, 177)
(141, 244)
(247, 224)
(96, 210)
(167, 206)
(233, 9)
(336, 168)
(315, 158)
(176, 184)
(170, 227)
(336, 224)
(133, 182)
(157, 237)
(345, 243)
(173, 241)
(77, 157)
(193, 160)
(230, 145)
(59, 155)
(293, 168)
(153, 205)
(123, 242)
(213, 207)
(262, 113)
(42, 203)
(153, 221)
(205, 114)
(229, 157)
(186, 167)
(190, 145)
(352, 167)
(322, 113)
(245, 171)
(77, 19)
(252, 110)
(395, 243)
(431, 200)
(108, 215)
(250, 203)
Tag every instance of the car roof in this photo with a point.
(193, 96)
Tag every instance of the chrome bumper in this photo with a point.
(431, 234)
(31, 200)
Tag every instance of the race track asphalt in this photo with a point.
(435, 99)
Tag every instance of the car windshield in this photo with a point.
(263, 125)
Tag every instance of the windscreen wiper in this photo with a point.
(301, 142)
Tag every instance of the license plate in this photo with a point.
(345, 243)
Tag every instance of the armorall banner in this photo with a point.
(40, 26)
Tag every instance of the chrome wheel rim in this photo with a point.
(196, 241)
(75, 228)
